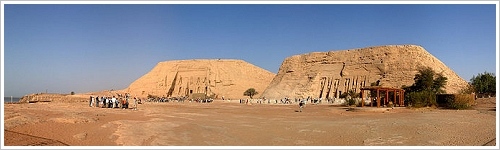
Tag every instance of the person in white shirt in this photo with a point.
(113, 100)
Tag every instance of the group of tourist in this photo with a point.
(166, 99)
(301, 102)
(285, 100)
(113, 102)
(180, 99)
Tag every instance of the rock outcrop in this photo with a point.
(215, 77)
(328, 74)
(54, 97)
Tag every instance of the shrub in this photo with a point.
(350, 97)
(422, 99)
(350, 94)
(343, 95)
(461, 101)
(456, 101)
(444, 100)
(250, 92)
(350, 101)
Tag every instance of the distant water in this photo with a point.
(14, 99)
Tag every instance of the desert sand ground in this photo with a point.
(224, 123)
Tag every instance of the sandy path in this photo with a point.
(233, 124)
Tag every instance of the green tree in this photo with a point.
(250, 92)
(72, 93)
(484, 83)
(427, 80)
(427, 84)
(439, 83)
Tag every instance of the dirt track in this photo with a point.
(225, 123)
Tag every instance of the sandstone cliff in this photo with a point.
(328, 74)
(217, 77)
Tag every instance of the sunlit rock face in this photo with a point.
(328, 74)
(215, 77)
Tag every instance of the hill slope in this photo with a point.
(328, 74)
(218, 77)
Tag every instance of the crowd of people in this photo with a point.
(301, 102)
(119, 101)
(165, 99)
(122, 101)
(285, 100)
(180, 99)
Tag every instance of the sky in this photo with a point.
(84, 48)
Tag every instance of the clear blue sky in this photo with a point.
(84, 48)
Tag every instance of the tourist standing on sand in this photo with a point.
(127, 96)
(102, 100)
(113, 100)
(90, 101)
(302, 104)
(106, 101)
(125, 102)
(97, 101)
(135, 103)
(119, 102)
(110, 102)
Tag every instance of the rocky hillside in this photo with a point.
(328, 74)
(216, 77)
(54, 97)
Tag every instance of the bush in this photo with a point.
(461, 101)
(350, 94)
(343, 95)
(456, 101)
(422, 99)
(444, 100)
(250, 92)
(350, 101)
